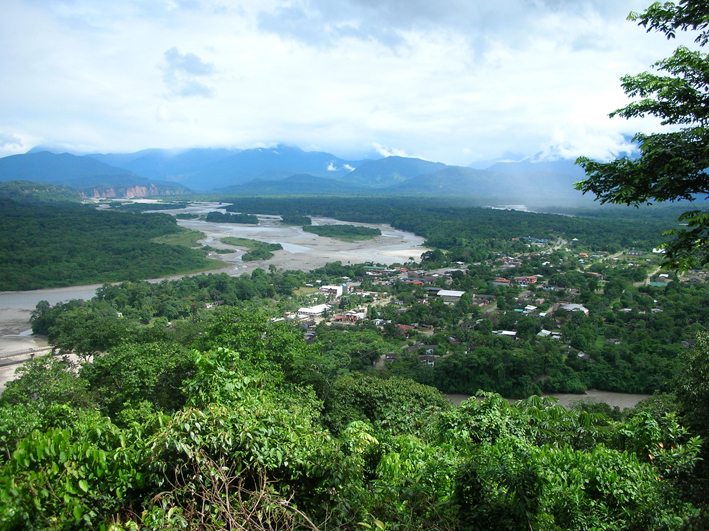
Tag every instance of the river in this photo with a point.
(301, 251)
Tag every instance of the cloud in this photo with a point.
(391, 22)
(8, 139)
(181, 74)
(390, 152)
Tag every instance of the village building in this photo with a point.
(450, 295)
(337, 291)
(313, 311)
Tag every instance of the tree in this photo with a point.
(672, 166)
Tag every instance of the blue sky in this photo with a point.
(453, 80)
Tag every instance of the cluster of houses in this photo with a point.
(522, 282)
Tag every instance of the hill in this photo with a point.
(90, 177)
(562, 166)
(164, 164)
(32, 192)
(391, 170)
(302, 184)
(247, 165)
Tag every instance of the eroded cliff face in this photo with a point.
(130, 192)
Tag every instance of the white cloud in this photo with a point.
(8, 139)
(389, 152)
(182, 74)
(451, 81)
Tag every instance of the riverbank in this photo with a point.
(620, 400)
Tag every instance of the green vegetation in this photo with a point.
(348, 233)
(223, 417)
(211, 249)
(33, 192)
(142, 207)
(220, 217)
(471, 234)
(183, 237)
(294, 219)
(66, 245)
(672, 165)
(256, 250)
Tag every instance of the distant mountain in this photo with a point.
(33, 192)
(165, 164)
(128, 186)
(287, 170)
(90, 177)
(565, 166)
(485, 164)
(53, 168)
(302, 184)
(391, 170)
(246, 165)
(452, 180)
(468, 182)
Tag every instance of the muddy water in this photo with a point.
(620, 400)
(301, 251)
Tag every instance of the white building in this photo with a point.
(313, 311)
(332, 290)
(574, 308)
(450, 295)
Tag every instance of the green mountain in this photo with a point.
(91, 178)
(467, 182)
(303, 184)
(250, 164)
(33, 192)
(391, 170)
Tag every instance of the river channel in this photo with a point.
(301, 251)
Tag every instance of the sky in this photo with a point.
(454, 81)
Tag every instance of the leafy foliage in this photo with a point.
(65, 245)
(221, 217)
(344, 232)
(672, 166)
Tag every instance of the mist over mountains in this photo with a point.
(288, 170)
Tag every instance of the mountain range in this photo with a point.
(288, 170)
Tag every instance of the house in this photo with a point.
(502, 282)
(548, 333)
(450, 295)
(526, 281)
(483, 300)
(332, 290)
(574, 308)
(313, 311)
(427, 359)
(507, 333)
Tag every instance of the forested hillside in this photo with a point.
(227, 418)
(67, 245)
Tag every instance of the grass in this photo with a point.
(347, 233)
(256, 250)
(304, 291)
(242, 242)
(185, 238)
